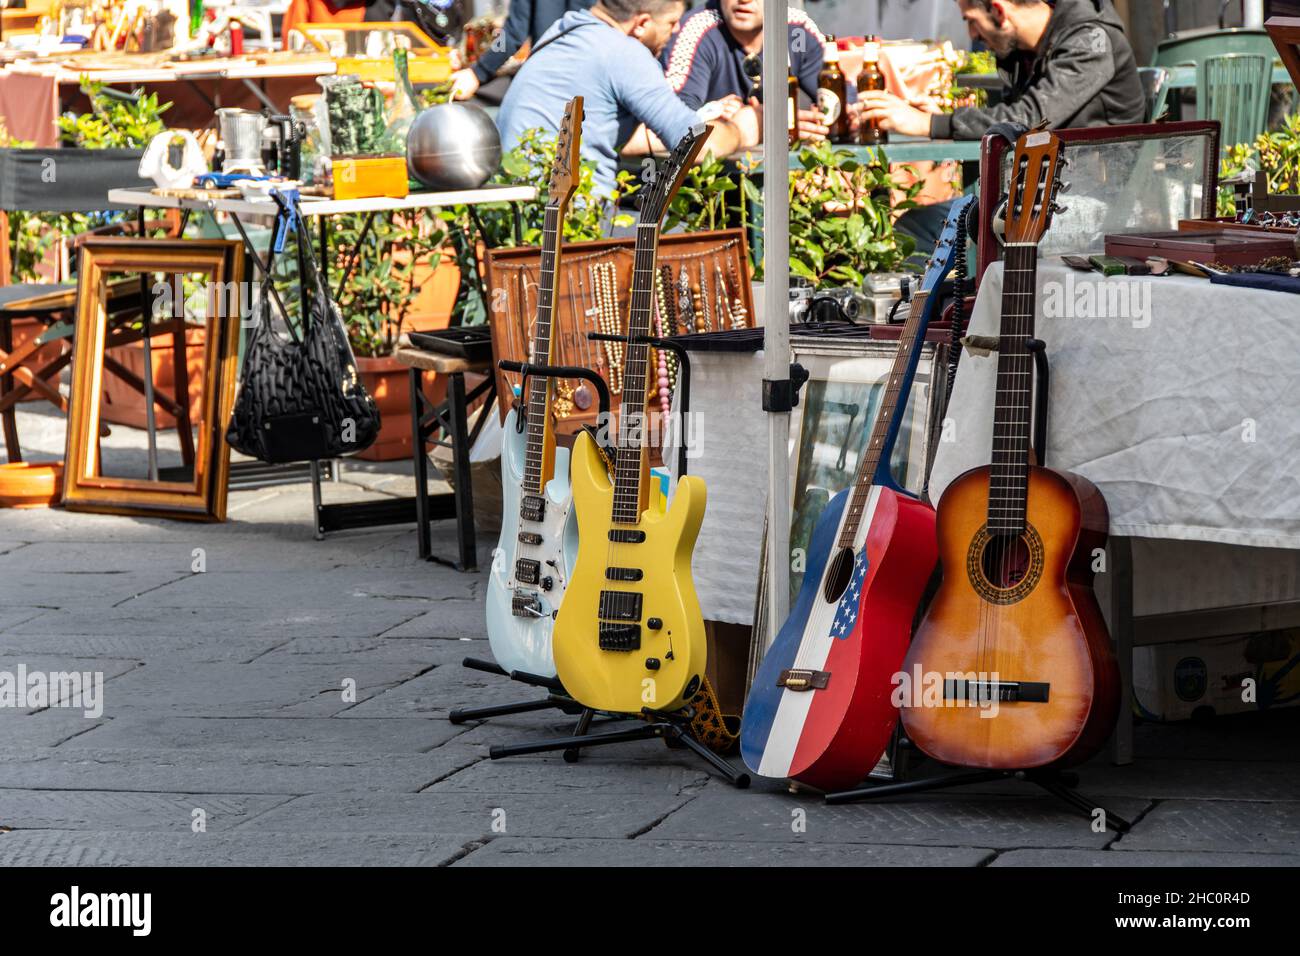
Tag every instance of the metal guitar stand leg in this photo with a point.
(673, 729)
(1059, 784)
(556, 699)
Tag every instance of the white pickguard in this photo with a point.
(524, 643)
(814, 649)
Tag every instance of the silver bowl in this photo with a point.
(453, 146)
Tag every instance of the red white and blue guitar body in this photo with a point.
(820, 710)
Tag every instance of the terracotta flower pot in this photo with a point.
(438, 284)
(123, 405)
(387, 381)
(25, 484)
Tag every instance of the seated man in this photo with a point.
(1065, 62)
(526, 22)
(716, 57)
(607, 56)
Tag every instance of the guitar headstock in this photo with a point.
(668, 175)
(944, 256)
(568, 164)
(1035, 181)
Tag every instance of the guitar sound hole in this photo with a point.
(1006, 560)
(839, 575)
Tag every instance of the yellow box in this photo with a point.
(365, 177)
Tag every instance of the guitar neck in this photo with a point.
(540, 388)
(884, 432)
(1009, 473)
(629, 457)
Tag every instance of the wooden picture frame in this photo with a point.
(203, 498)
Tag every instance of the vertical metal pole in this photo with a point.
(1252, 14)
(146, 346)
(776, 303)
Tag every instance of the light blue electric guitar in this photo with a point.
(539, 531)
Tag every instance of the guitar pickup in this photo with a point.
(526, 604)
(624, 574)
(626, 536)
(803, 679)
(620, 637)
(528, 571)
(530, 537)
(620, 606)
(532, 508)
(1010, 691)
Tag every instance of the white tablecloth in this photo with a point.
(1180, 401)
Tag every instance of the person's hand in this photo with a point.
(729, 105)
(464, 84)
(812, 125)
(891, 112)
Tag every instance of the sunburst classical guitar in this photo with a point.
(1015, 636)
(630, 634)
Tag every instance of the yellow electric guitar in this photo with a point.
(629, 634)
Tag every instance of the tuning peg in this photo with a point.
(1057, 208)
(1064, 188)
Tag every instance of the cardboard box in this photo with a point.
(365, 177)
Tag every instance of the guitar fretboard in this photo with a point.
(881, 446)
(629, 456)
(1009, 473)
(539, 388)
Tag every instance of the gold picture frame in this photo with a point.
(203, 498)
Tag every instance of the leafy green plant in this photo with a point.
(116, 119)
(379, 290)
(841, 226)
(1275, 152)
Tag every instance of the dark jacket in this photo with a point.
(526, 21)
(1086, 75)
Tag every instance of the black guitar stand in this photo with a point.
(1059, 783)
(673, 728)
(556, 697)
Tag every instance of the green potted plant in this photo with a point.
(376, 302)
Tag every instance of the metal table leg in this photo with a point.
(421, 461)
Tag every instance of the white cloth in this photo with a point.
(1180, 401)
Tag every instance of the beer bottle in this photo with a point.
(869, 131)
(831, 93)
(792, 103)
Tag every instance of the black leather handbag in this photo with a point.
(300, 398)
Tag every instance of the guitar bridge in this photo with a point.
(1010, 691)
(532, 508)
(526, 604)
(620, 637)
(795, 679)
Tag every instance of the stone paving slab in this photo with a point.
(291, 734)
(122, 848)
(1185, 858)
(48, 728)
(724, 814)
(118, 810)
(83, 589)
(451, 618)
(249, 690)
(1166, 779)
(524, 851)
(1223, 826)
(145, 649)
(340, 651)
(268, 625)
(591, 814)
(295, 588)
(446, 688)
(16, 615)
(245, 771)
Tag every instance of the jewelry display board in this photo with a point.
(702, 285)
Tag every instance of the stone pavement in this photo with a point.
(293, 699)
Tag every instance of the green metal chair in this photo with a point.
(1197, 45)
(1234, 90)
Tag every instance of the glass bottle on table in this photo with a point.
(869, 131)
(792, 103)
(403, 109)
(831, 93)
